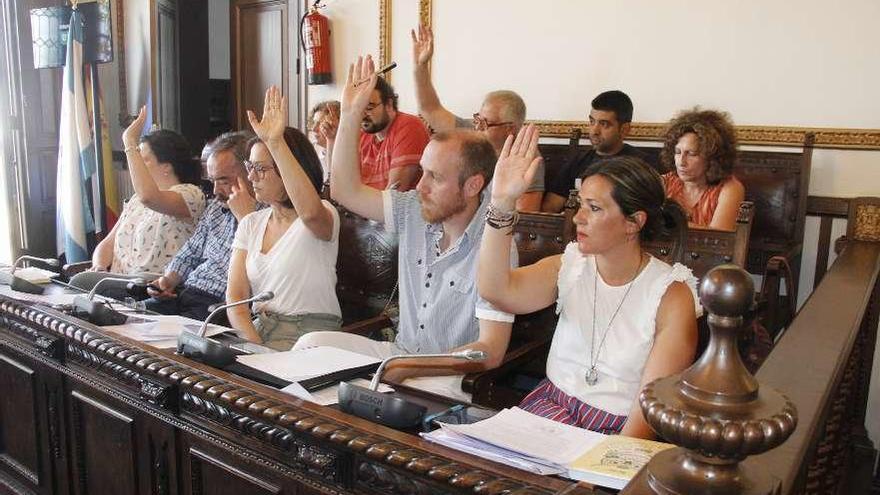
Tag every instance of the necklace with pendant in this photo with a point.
(592, 374)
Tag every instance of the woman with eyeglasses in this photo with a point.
(290, 247)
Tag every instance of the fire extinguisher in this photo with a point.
(314, 32)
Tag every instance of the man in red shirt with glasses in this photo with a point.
(391, 143)
(502, 113)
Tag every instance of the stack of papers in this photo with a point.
(162, 330)
(520, 439)
(35, 275)
(302, 364)
(543, 446)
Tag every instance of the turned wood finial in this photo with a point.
(715, 411)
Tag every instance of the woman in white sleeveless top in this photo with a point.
(626, 318)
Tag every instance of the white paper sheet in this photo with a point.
(50, 299)
(295, 366)
(532, 436)
(329, 395)
(161, 328)
(464, 443)
(35, 275)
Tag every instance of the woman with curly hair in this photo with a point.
(700, 151)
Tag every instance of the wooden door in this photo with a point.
(36, 107)
(260, 35)
(167, 79)
(31, 417)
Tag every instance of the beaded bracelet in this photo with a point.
(498, 219)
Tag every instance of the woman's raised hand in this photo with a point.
(516, 167)
(274, 119)
(132, 133)
(423, 45)
(359, 85)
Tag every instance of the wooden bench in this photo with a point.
(366, 273)
(777, 184)
(823, 364)
(537, 236)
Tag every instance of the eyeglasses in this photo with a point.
(481, 124)
(372, 106)
(257, 168)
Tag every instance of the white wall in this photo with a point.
(806, 63)
(354, 30)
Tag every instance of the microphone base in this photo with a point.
(19, 284)
(97, 312)
(385, 409)
(205, 350)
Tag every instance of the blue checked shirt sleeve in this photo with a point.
(191, 254)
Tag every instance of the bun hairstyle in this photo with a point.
(636, 186)
(170, 147)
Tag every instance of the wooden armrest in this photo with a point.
(513, 360)
(773, 313)
(840, 244)
(72, 269)
(368, 326)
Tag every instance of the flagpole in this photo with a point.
(101, 221)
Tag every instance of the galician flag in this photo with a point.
(76, 153)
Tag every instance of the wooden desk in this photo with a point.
(86, 411)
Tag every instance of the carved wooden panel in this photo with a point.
(118, 424)
(210, 474)
(19, 435)
(103, 445)
(157, 459)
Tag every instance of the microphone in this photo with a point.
(113, 279)
(19, 284)
(45, 261)
(390, 409)
(98, 312)
(261, 297)
(207, 350)
(466, 354)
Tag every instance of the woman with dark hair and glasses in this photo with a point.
(289, 248)
(625, 317)
(161, 216)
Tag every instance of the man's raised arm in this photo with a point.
(430, 108)
(345, 180)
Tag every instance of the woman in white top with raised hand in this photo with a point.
(157, 221)
(289, 248)
(626, 318)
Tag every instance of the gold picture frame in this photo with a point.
(385, 29)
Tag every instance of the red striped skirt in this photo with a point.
(550, 402)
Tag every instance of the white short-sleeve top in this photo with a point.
(146, 240)
(300, 268)
(629, 340)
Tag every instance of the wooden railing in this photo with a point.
(823, 363)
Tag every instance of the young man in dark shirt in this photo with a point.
(610, 121)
